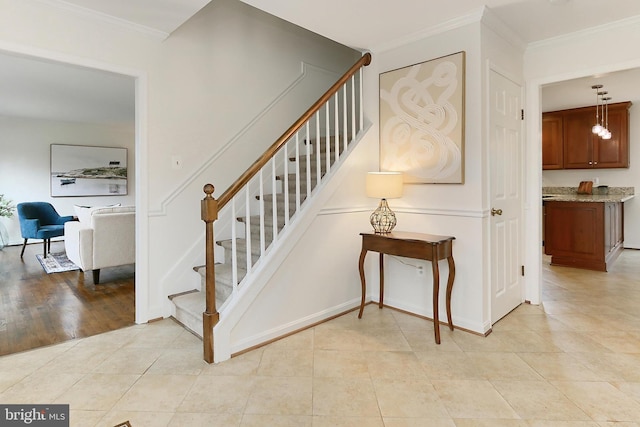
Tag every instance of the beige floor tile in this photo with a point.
(612, 366)
(280, 396)
(324, 421)
(615, 424)
(524, 341)
(178, 361)
(408, 398)
(422, 340)
(340, 364)
(600, 400)
(559, 366)
(128, 361)
(136, 418)
(251, 420)
(394, 364)
(418, 422)
(164, 334)
(502, 366)
(187, 419)
(302, 340)
(348, 397)
(538, 399)
(78, 359)
(7, 379)
(383, 340)
(85, 418)
(631, 389)
(231, 394)
(574, 342)
(472, 342)
(489, 422)
(39, 388)
(555, 423)
(278, 362)
(97, 391)
(473, 399)
(244, 364)
(337, 339)
(449, 366)
(617, 341)
(30, 361)
(152, 392)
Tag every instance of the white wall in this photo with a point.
(25, 162)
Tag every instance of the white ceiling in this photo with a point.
(56, 91)
(50, 90)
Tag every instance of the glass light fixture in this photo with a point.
(607, 134)
(383, 185)
(597, 128)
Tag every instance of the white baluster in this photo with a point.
(261, 184)
(234, 247)
(274, 205)
(297, 173)
(318, 163)
(308, 158)
(328, 134)
(286, 183)
(361, 102)
(247, 237)
(353, 106)
(345, 115)
(336, 125)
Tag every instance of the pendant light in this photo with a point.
(607, 134)
(597, 128)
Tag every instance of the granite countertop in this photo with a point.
(569, 194)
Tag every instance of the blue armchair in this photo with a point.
(39, 220)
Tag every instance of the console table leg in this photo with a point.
(363, 253)
(380, 301)
(452, 275)
(436, 290)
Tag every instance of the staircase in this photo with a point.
(274, 199)
(190, 306)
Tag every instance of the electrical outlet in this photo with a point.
(420, 270)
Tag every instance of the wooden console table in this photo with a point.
(411, 245)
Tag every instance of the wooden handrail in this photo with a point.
(258, 164)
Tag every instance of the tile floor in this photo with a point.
(574, 361)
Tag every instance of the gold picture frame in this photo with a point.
(422, 110)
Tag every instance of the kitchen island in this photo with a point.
(584, 230)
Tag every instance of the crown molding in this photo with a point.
(543, 44)
(100, 16)
(498, 26)
(452, 24)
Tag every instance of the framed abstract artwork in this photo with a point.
(80, 170)
(422, 121)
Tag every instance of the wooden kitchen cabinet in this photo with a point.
(552, 150)
(581, 149)
(583, 234)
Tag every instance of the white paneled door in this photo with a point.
(505, 163)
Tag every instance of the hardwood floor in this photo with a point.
(39, 309)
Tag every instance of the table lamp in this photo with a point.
(384, 185)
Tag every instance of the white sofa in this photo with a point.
(102, 237)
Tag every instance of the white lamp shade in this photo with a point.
(384, 185)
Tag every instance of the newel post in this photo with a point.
(210, 317)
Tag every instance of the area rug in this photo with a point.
(56, 263)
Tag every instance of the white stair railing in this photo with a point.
(306, 144)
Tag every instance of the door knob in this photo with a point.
(496, 211)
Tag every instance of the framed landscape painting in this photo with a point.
(80, 170)
(422, 121)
